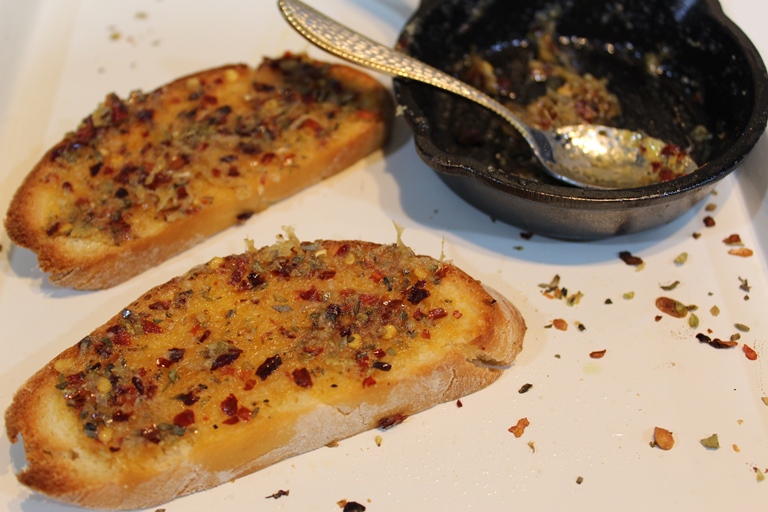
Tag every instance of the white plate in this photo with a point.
(589, 418)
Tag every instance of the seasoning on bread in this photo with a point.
(253, 358)
(144, 178)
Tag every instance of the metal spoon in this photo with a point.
(588, 156)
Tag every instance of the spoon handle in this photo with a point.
(343, 42)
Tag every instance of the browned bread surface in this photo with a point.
(145, 178)
(253, 358)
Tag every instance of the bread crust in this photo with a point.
(369, 352)
(145, 178)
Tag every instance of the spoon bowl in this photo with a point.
(589, 156)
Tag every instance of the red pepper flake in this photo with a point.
(151, 434)
(249, 384)
(119, 336)
(302, 378)
(716, 343)
(312, 294)
(417, 293)
(229, 405)
(185, 418)
(741, 251)
(244, 413)
(368, 382)
(560, 324)
(381, 365)
(204, 336)
(163, 305)
(376, 276)
(732, 240)
(426, 334)
(188, 399)
(268, 367)
(391, 421)
(121, 416)
(519, 428)
(629, 259)
(749, 352)
(457, 314)
(671, 307)
(151, 327)
(597, 354)
(232, 420)
(227, 358)
(278, 494)
(459, 404)
(436, 313)
(709, 221)
(342, 250)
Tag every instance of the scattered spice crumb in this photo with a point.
(714, 311)
(662, 438)
(332, 444)
(671, 307)
(710, 207)
(532, 446)
(459, 404)
(716, 342)
(525, 388)
(597, 354)
(629, 295)
(741, 327)
(696, 235)
(711, 442)
(744, 285)
(557, 356)
(735, 336)
(657, 318)
(350, 506)
(518, 247)
(519, 428)
(709, 221)
(759, 474)
(526, 235)
(378, 440)
(736, 448)
(560, 324)
(279, 494)
(750, 352)
(693, 321)
(669, 287)
(631, 260)
(741, 251)
(608, 301)
(581, 327)
(579, 480)
(141, 15)
(681, 258)
(733, 240)
(765, 400)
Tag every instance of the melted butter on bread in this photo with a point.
(143, 178)
(252, 358)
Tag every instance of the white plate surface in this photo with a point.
(590, 419)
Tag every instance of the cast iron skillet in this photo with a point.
(705, 71)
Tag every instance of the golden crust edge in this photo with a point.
(115, 265)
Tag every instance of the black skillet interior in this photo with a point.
(674, 65)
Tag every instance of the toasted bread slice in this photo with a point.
(143, 179)
(253, 358)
